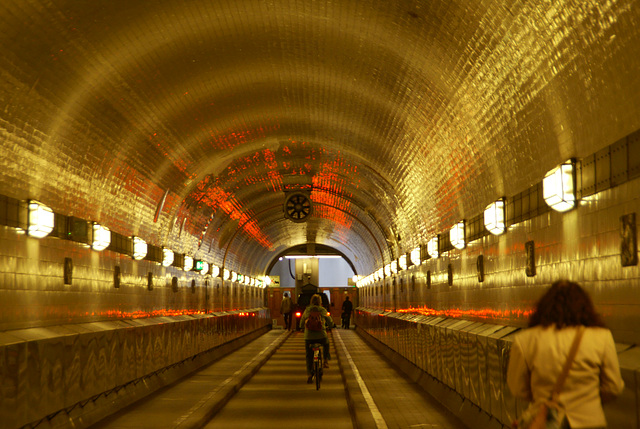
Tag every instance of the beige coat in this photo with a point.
(536, 360)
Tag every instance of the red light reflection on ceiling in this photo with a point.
(216, 198)
(329, 176)
(486, 313)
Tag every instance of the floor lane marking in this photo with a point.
(375, 412)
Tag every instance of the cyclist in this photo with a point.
(315, 321)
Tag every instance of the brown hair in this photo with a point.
(565, 304)
(316, 300)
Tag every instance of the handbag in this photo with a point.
(549, 413)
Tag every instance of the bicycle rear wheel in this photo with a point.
(317, 366)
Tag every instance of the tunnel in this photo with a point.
(159, 157)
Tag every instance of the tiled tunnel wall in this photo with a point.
(583, 245)
(74, 349)
(464, 364)
(457, 330)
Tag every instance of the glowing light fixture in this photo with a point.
(387, 270)
(456, 235)
(188, 263)
(234, 276)
(205, 268)
(432, 247)
(415, 256)
(215, 271)
(40, 220)
(167, 257)
(380, 273)
(402, 262)
(139, 248)
(240, 278)
(101, 237)
(558, 187)
(226, 274)
(494, 217)
(394, 266)
(266, 280)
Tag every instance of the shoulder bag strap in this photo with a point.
(567, 365)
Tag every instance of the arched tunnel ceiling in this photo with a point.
(399, 117)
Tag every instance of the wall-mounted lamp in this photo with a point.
(394, 266)
(380, 273)
(240, 278)
(387, 270)
(415, 256)
(402, 262)
(558, 187)
(188, 263)
(40, 221)
(226, 274)
(456, 235)
(432, 247)
(266, 281)
(215, 271)
(167, 257)
(205, 268)
(494, 217)
(139, 248)
(101, 237)
(234, 276)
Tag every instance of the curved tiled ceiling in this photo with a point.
(399, 117)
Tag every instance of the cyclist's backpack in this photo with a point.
(315, 321)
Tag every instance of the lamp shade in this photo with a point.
(40, 220)
(432, 247)
(139, 248)
(205, 268)
(402, 262)
(456, 235)
(415, 256)
(558, 187)
(494, 218)
(188, 263)
(101, 237)
(215, 271)
(226, 274)
(167, 257)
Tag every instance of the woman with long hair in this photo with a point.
(539, 353)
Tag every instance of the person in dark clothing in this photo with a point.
(347, 307)
(286, 308)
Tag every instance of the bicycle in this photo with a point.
(317, 362)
